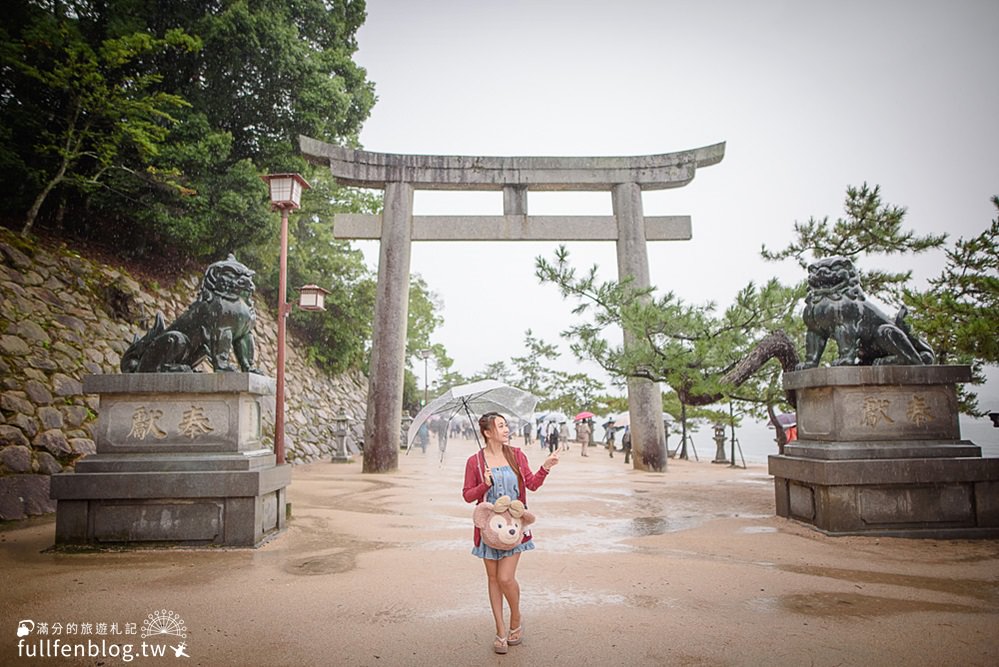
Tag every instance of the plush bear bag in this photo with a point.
(501, 524)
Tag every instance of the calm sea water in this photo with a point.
(757, 440)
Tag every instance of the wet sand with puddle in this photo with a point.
(689, 567)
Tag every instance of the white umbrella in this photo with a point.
(623, 420)
(475, 398)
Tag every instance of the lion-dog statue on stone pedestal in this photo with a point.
(836, 307)
(219, 322)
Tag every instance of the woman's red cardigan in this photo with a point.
(476, 488)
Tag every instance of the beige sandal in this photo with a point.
(499, 645)
(519, 631)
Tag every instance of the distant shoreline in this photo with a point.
(757, 440)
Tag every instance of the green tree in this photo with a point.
(163, 115)
(496, 370)
(572, 393)
(870, 227)
(555, 389)
(266, 71)
(690, 348)
(959, 312)
(957, 315)
(77, 107)
(424, 318)
(338, 338)
(611, 404)
(270, 70)
(195, 197)
(533, 369)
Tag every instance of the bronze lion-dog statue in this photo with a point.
(837, 308)
(220, 322)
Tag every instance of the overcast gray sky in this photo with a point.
(809, 96)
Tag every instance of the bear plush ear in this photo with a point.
(481, 514)
(527, 519)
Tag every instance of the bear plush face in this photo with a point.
(502, 524)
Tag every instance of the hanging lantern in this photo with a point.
(285, 189)
(312, 297)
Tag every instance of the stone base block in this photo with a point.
(907, 497)
(22, 496)
(171, 413)
(927, 449)
(221, 507)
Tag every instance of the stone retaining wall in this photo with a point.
(63, 316)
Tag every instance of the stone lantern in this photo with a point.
(719, 437)
(340, 432)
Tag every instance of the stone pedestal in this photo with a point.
(880, 452)
(180, 460)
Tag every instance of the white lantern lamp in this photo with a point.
(312, 297)
(285, 190)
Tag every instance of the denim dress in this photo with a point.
(504, 484)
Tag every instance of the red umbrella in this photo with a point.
(583, 415)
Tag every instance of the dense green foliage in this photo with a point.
(556, 390)
(424, 317)
(870, 227)
(959, 313)
(75, 109)
(146, 125)
(685, 346)
(240, 80)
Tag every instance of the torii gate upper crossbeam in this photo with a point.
(462, 172)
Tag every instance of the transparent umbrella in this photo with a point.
(473, 399)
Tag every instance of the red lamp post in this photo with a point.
(286, 194)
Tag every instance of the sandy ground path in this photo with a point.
(689, 567)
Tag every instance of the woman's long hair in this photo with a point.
(485, 423)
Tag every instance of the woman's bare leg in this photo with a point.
(506, 576)
(495, 594)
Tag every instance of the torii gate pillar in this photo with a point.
(388, 350)
(645, 402)
(400, 175)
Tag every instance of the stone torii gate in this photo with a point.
(400, 175)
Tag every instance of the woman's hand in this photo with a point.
(552, 460)
(487, 476)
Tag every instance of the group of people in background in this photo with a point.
(555, 435)
(438, 427)
(551, 434)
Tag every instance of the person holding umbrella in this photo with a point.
(501, 470)
(584, 435)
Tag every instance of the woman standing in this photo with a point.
(494, 471)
